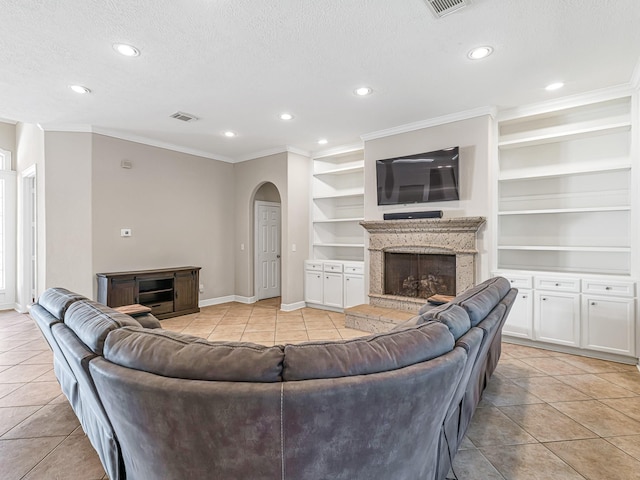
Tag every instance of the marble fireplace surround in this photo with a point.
(449, 236)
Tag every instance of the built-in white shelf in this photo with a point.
(535, 172)
(565, 248)
(338, 220)
(338, 206)
(341, 171)
(560, 134)
(565, 210)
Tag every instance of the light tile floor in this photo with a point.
(544, 415)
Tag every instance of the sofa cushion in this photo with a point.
(176, 355)
(366, 355)
(453, 316)
(92, 321)
(57, 300)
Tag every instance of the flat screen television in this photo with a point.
(421, 178)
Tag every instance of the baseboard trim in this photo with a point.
(290, 307)
(216, 301)
(248, 300)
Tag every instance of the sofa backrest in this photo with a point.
(92, 322)
(366, 355)
(178, 355)
(57, 300)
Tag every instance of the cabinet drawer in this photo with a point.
(333, 267)
(356, 268)
(604, 287)
(314, 266)
(558, 284)
(518, 281)
(158, 308)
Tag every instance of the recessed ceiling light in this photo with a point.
(363, 91)
(554, 86)
(126, 50)
(286, 116)
(480, 52)
(323, 141)
(230, 134)
(79, 89)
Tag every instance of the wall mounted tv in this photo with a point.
(421, 178)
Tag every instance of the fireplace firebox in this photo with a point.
(419, 275)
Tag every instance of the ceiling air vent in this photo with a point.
(440, 8)
(185, 117)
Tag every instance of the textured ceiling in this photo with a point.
(236, 64)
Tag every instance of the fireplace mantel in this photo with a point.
(456, 236)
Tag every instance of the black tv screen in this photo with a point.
(421, 178)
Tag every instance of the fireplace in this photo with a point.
(419, 275)
(435, 254)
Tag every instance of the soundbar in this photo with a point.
(409, 215)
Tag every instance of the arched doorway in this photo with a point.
(267, 242)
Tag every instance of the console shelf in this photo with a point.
(169, 292)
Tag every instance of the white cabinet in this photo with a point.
(565, 189)
(313, 291)
(335, 285)
(520, 320)
(557, 318)
(591, 313)
(353, 290)
(332, 285)
(608, 308)
(609, 324)
(338, 206)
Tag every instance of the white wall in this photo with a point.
(474, 137)
(29, 140)
(8, 139)
(178, 206)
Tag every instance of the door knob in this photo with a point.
(277, 256)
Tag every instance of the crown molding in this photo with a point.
(431, 122)
(136, 139)
(272, 151)
(338, 150)
(570, 101)
(7, 120)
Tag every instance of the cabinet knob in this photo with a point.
(607, 288)
(544, 298)
(347, 279)
(524, 296)
(557, 284)
(593, 303)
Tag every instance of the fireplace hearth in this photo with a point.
(436, 256)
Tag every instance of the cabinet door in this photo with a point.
(122, 291)
(185, 289)
(332, 286)
(608, 324)
(557, 318)
(313, 287)
(353, 290)
(520, 320)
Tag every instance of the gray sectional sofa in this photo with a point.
(162, 405)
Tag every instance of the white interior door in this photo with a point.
(267, 272)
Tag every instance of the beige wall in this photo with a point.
(249, 177)
(67, 169)
(297, 231)
(8, 139)
(474, 137)
(290, 175)
(178, 206)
